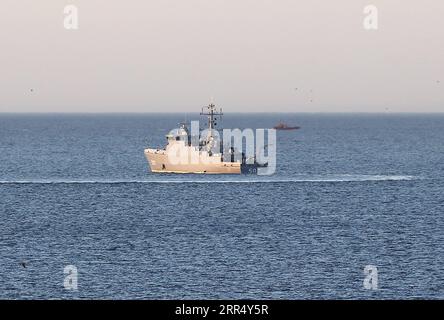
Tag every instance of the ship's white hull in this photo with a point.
(160, 163)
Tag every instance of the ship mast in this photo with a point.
(212, 114)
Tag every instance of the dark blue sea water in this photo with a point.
(349, 191)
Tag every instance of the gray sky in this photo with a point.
(250, 55)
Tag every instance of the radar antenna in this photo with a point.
(213, 115)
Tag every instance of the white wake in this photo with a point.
(257, 179)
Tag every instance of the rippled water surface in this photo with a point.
(349, 191)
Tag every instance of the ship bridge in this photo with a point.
(179, 134)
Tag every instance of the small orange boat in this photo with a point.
(283, 126)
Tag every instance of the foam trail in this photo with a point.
(336, 178)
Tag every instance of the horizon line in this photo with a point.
(234, 112)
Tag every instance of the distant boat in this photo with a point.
(283, 126)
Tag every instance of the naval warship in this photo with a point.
(201, 156)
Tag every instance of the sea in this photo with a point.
(82, 216)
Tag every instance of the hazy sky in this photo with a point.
(250, 55)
